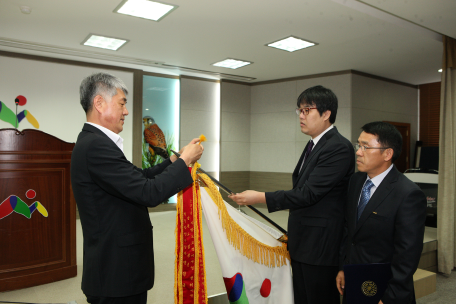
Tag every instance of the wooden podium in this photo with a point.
(37, 210)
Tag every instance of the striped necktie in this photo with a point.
(365, 197)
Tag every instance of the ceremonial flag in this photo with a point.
(255, 265)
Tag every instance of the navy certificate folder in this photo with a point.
(366, 283)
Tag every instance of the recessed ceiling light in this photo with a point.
(291, 44)
(440, 71)
(231, 63)
(151, 10)
(108, 43)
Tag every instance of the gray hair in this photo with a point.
(103, 84)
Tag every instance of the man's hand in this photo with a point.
(248, 197)
(380, 302)
(340, 282)
(191, 152)
(173, 157)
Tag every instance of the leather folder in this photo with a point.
(366, 283)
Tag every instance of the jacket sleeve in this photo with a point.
(343, 244)
(154, 170)
(333, 164)
(110, 169)
(408, 245)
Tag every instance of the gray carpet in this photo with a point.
(445, 293)
(164, 224)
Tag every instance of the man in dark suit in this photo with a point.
(317, 200)
(113, 195)
(385, 213)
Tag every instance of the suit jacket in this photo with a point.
(317, 201)
(390, 230)
(112, 197)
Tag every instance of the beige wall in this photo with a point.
(235, 127)
(200, 114)
(276, 138)
(259, 130)
(273, 127)
(276, 141)
(379, 100)
(52, 92)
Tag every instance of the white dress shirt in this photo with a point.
(376, 181)
(317, 139)
(113, 136)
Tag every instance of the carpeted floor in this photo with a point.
(163, 220)
(445, 293)
(69, 290)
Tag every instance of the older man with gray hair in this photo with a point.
(113, 195)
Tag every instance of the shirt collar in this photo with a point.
(316, 139)
(377, 180)
(113, 136)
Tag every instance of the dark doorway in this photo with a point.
(403, 162)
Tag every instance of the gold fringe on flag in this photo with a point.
(247, 245)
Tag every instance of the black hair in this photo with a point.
(387, 136)
(323, 98)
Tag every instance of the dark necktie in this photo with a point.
(365, 196)
(309, 147)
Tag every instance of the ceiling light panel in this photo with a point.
(231, 63)
(291, 44)
(108, 43)
(151, 10)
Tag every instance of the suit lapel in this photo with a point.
(315, 150)
(321, 143)
(386, 186)
(298, 165)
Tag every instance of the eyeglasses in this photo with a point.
(304, 111)
(364, 148)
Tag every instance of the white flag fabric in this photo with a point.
(257, 271)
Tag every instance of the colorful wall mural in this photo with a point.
(7, 115)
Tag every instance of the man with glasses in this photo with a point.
(317, 200)
(385, 213)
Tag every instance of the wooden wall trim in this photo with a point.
(302, 77)
(429, 114)
(384, 79)
(160, 75)
(235, 82)
(137, 118)
(200, 78)
(334, 74)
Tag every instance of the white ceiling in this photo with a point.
(396, 39)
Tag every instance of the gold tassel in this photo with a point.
(247, 245)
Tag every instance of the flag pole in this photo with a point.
(229, 192)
